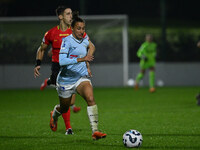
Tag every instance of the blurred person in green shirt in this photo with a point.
(147, 55)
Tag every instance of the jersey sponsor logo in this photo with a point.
(63, 34)
(73, 56)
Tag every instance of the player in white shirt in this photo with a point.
(73, 76)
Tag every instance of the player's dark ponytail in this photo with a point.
(76, 18)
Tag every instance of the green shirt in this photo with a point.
(147, 49)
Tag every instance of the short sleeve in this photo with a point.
(46, 38)
(65, 46)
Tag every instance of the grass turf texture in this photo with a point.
(167, 119)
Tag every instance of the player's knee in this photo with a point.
(90, 100)
(72, 103)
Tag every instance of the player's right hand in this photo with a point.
(36, 71)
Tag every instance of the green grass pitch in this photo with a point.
(167, 119)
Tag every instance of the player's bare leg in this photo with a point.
(86, 91)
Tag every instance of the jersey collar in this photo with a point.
(78, 41)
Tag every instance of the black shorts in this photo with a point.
(55, 68)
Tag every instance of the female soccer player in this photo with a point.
(147, 54)
(54, 38)
(73, 76)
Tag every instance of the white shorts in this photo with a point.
(66, 91)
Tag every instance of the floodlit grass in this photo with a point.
(167, 119)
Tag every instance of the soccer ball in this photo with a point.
(132, 138)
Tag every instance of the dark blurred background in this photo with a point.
(175, 24)
(175, 9)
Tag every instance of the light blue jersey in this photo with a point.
(71, 70)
